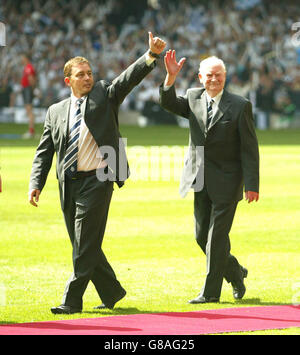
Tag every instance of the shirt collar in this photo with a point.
(74, 99)
(216, 99)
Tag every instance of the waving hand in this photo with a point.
(172, 66)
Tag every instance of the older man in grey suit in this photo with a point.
(223, 157)
(83, 130)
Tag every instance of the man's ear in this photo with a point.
(67, 81)
(200, 77)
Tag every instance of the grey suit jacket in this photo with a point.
(225, 156)
(101, 117)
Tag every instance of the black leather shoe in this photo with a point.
(62, 309)
(202, 299)
(239, 288)
(112, 304)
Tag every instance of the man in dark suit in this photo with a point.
(83, 131)
(223, 157)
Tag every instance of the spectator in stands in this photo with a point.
(28, 83)
(236, 86)
(246, 34)
(265, 101)
(5, 92)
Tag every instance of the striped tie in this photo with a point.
(209, 113)
(70, 165)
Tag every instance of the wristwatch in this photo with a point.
(154, 55)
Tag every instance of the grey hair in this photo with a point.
(211, 60)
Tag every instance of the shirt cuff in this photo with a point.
(166, 87)
(149, 59)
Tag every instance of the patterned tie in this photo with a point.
(70, 165)
(209, 113)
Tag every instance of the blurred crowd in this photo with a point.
(255, 38)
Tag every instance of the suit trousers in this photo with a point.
(213, 222)
(85, 211)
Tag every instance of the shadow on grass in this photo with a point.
(133, 310)
(258, 302)
(6, 323)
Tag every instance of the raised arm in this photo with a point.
(168, 98)
(136, 72)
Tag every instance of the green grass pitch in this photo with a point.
(149, 238)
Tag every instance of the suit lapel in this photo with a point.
(90, 105)
(64, 114)
(200, 111)
(223, 107)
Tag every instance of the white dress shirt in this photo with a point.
(215, 104)
(89, 157)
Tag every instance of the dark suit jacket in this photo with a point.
(101, 117)
(231, 156)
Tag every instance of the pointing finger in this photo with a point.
(150, 36)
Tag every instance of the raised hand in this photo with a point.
(172, 66)
(156, 44)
